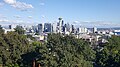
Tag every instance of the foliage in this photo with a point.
(110, 55)
(1, 30)
(30, 36)
(66, 52)
(12, 46)
(19, 30)
(58, 51)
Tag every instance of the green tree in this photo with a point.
(59, 51)
(12, 46)
(1, 30)
(66, 51)
(110, 55)
(19, 30)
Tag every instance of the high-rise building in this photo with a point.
(54, 27)
(48, 27)
(94, 30)
(35, 29)
(40, 28)
(61, 22)
(67, 26)
(82, 30)
(73, 29)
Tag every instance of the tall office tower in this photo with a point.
(47, 27)
(73, 29)
(77, 30)
(83, 30)
(94, 29)
(54, 27)
(61, 22)
(35, 29)
(67, 26)
(70, 29)
(40, 28)
(64, 29)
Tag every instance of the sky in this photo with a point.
(86, 13)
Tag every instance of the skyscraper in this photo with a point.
(73, 29)
(61, 22)
(82, 30)
(94, 29)
(67, 27)
(47, 27)
(40, 28)
(35, 29)
(54, 27)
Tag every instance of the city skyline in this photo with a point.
(87, 13)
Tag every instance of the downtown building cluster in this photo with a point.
(58, 27)
(40, 31)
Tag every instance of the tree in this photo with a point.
(66, 52)
(19, 30)
(1, 30)
(58, 51)
(110, 55)
(12, 46)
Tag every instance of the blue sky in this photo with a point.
(87, 13)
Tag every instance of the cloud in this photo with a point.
(22, 6)
(1, 4)
(29, 17)
(2, 16)
(10, 1)
(76, 22)
(3, 20)
(19, 5)
(18, 21)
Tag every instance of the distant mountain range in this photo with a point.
(99, 29)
